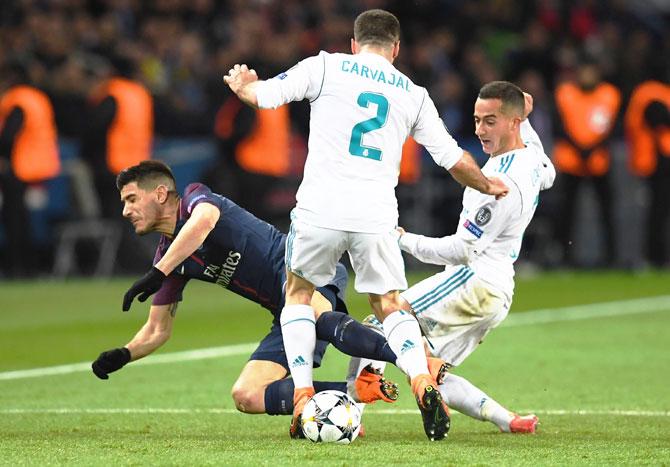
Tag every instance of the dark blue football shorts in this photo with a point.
(271, 348)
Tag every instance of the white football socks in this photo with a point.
(460, 394)
(404, 337)
(299, 335)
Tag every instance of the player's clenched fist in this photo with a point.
(110, 361)
(528, 107)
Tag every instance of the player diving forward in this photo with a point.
(459, 306)
(208, 237)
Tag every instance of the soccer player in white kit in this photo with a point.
(362, 111)
(459, 306)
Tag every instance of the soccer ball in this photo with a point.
(331, 417)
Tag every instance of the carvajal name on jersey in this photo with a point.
(376, 75)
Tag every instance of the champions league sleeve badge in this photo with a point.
(483, 216)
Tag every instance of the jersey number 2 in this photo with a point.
(356, 147)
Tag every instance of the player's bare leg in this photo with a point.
(249, 390)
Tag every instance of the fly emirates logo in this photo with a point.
(224, 272)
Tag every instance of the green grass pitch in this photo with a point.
(597, 374)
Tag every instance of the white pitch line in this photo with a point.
(217, 411)
(188, 355)
(594, 310)
(581, 412)
(541, 316)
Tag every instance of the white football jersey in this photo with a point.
(362, 111)
(490, 231)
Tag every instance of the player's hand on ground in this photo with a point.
(528, 108)
(110, 361)
(239, 76)
(497, 188)
(146, 286)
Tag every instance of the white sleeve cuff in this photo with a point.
(451, 159)
(268, 95)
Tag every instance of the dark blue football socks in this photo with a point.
(352, 338)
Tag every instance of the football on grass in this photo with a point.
(331, 417)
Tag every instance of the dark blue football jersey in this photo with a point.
(242, 253)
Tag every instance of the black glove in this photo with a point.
(109, 361)
(146, 286)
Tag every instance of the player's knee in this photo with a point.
(493, 310)
(248, 399)
(498, 316)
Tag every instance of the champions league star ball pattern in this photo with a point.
(331, 417)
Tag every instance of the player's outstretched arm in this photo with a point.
(467, 172)
(243, 82)
(442, 251)
(155, 332)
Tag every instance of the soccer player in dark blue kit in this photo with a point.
(207, 237)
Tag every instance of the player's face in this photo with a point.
(140, 207)
(494, 129)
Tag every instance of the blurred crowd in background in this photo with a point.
(158, 64)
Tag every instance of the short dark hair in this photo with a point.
(148, 175)
(377, 27)
(509, 93)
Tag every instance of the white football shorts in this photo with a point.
(312, 253)
(456, 310)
